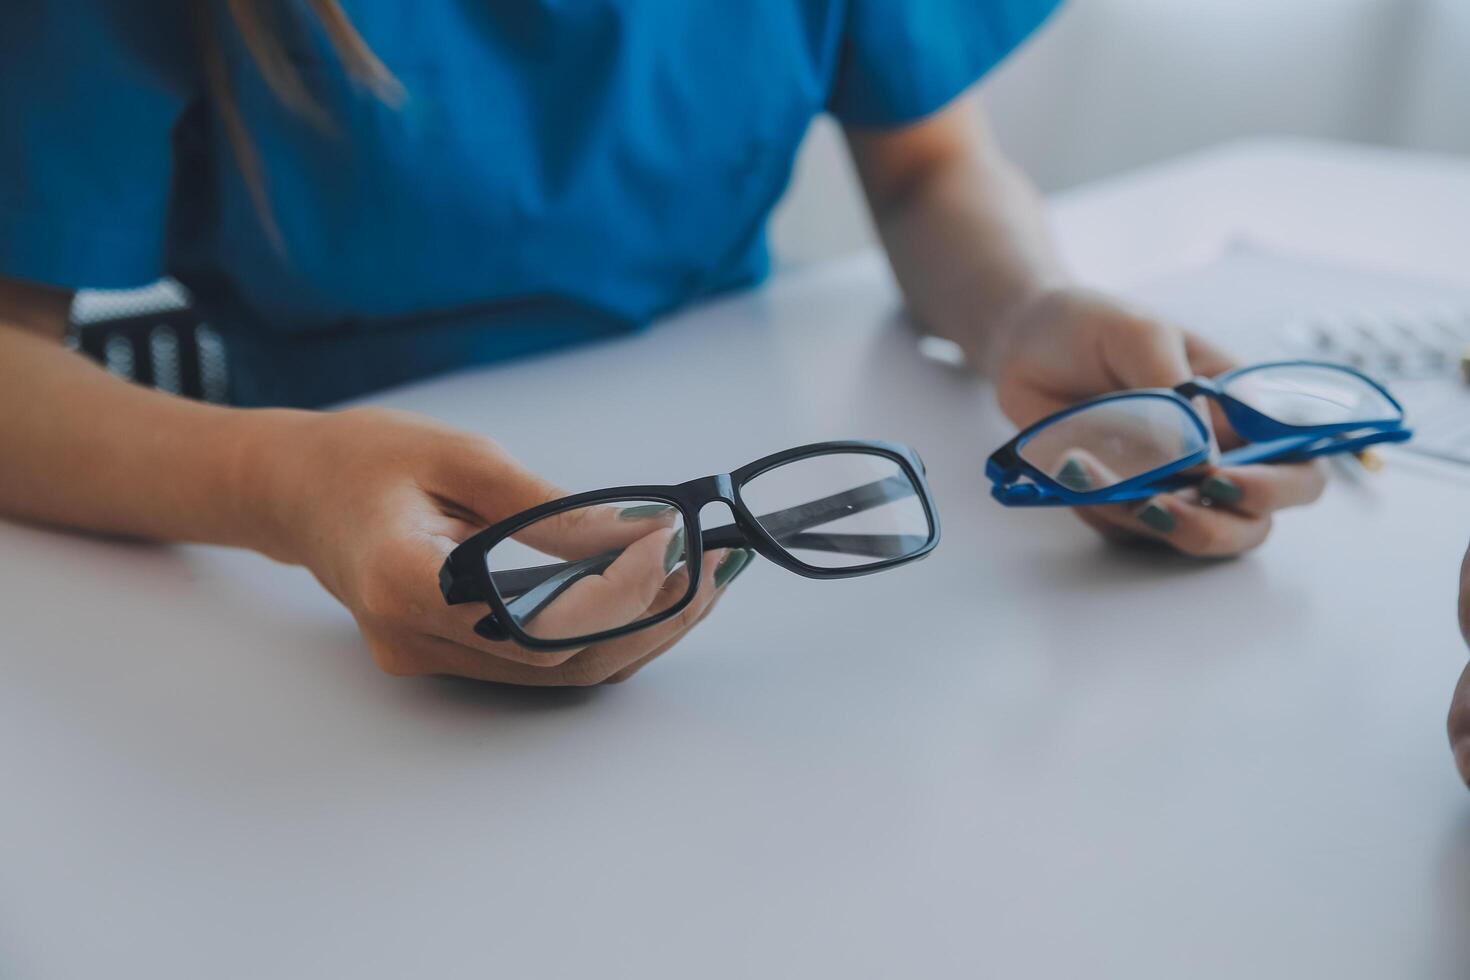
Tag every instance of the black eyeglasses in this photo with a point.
(602, 564)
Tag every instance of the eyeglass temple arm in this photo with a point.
(793, 520)
(529, 590)
(1294, 449)
(529, 603)
(1287, 449)
(863, 545)
(1281, 450)
(536, 598)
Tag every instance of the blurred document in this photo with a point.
(1412, 334)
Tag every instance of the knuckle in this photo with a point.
(394, 660)
(546, 659)
(1144, 332)
(1318, 485)
(466, 444)
(373, 416)
(1262, 532)
(1214, 541)
(1267, 497)
(691, 614)
(1219, 540)
(389, 585)
(573, 521)
(1204, 539)
(381, 597)
(584, 672)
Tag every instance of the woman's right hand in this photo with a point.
(373, 501)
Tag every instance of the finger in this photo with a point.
(615, 598)
(1205, 532)
(675, 587)
(1143, 353)
(436, 655)
(1225, 434)
(1183, 519)
(509, 663)
(1262, 488)
(1205, 358)
(1111, 528)
(403, 652)
(408, 598)
(586, 531)
(627, 672)
(476, 476)
(1209, 361)
(1257, 489)
(480, 480)
(1081, 471)
(591, 605)
(597, 664)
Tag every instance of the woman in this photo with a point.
(363, 199)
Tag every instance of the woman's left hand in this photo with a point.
(1067, 345)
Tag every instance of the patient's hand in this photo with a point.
(1459, 723)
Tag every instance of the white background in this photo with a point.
(1109, 85)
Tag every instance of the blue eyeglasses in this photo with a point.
(1135, 444)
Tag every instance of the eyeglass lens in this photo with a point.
(1102, 445)
(588, 570)
(840, 510)
(1311, 394)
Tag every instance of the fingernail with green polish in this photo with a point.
(749, 560)
(675, 551)
(1220, 490)
(1156, 516)
(1073, 476)
(732, 566)
(642, 511)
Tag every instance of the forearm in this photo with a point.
(84, 449)
(965, 233)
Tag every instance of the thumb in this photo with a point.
(487, 484)
(1144, 353)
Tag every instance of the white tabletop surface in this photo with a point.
(1028, 756)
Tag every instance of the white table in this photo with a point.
(1028, 756)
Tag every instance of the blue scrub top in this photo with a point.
(560, 170)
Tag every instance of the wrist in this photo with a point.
(266, 452)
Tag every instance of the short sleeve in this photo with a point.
(904, 59)
(86, 123)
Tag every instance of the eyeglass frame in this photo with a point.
(1267, 440)
(465, 576)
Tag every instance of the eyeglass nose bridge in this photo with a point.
(709, 489)
(717, 490)
(1197, 386)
